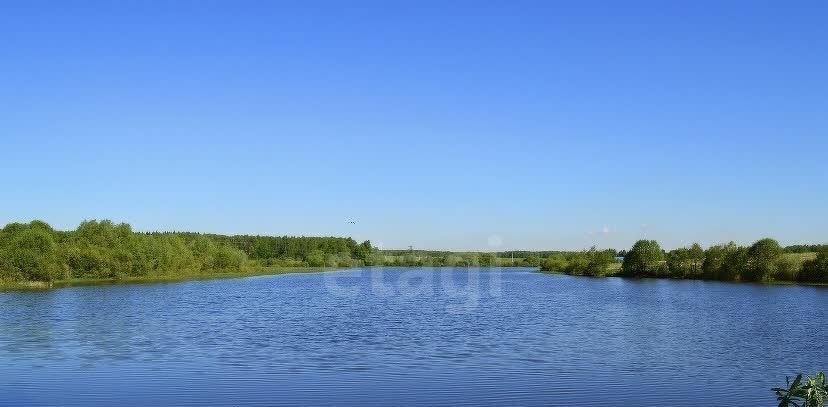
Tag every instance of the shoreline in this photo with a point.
(772, 282)
(10, 286)
(30, 286)
(82, 282)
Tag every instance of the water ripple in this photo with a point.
(464, 337)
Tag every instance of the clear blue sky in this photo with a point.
(445, 125)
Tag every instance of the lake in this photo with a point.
(398, 336)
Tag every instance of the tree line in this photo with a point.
(36, 252)
(292, 251)
(763, 261)
(428, 258)
(104, 250)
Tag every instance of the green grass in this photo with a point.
(800, 257)
(260, 271)
(614, 267)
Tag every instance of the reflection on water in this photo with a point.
(409, 336)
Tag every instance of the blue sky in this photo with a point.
(445, 125)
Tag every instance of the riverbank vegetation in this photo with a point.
(104, 250)
(812, 392)
(434, 258)
(591, 263)
(763, 261)
(35, 253)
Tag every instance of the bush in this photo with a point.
(316, 259)
(29, 252)
(555, 263)
(678, 262)
(685, 262)
(735, 264)
(532, 261)
(598, 261)
(812, 393)
(487, 260)
(592, 262)
(723, 262)
(228, 259)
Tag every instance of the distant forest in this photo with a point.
(104, 250)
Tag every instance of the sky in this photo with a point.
(460, 125)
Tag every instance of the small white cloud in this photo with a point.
(605, 230)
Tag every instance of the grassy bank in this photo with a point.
(75, 282)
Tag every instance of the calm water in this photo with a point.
(410, 336)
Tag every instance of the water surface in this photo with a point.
(412, 337)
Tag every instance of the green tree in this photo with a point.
(686, 262)
(453, 260)
(344, 260)
(644, 259)
(226, 258)
(815, 270)
(30, 253)
(204, 251)
(762, 259)
(696, 257)
(376, 258)
(735, 264)
(487, 259)
(556, 263)
(714, 258)
(678, 262)
(471, 259)
(532, 260)
(316, 258)
(438, 260)
(592, 262)
(363, 252)
(597, 262)
(719, 262)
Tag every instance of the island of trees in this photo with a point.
(103, 250)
